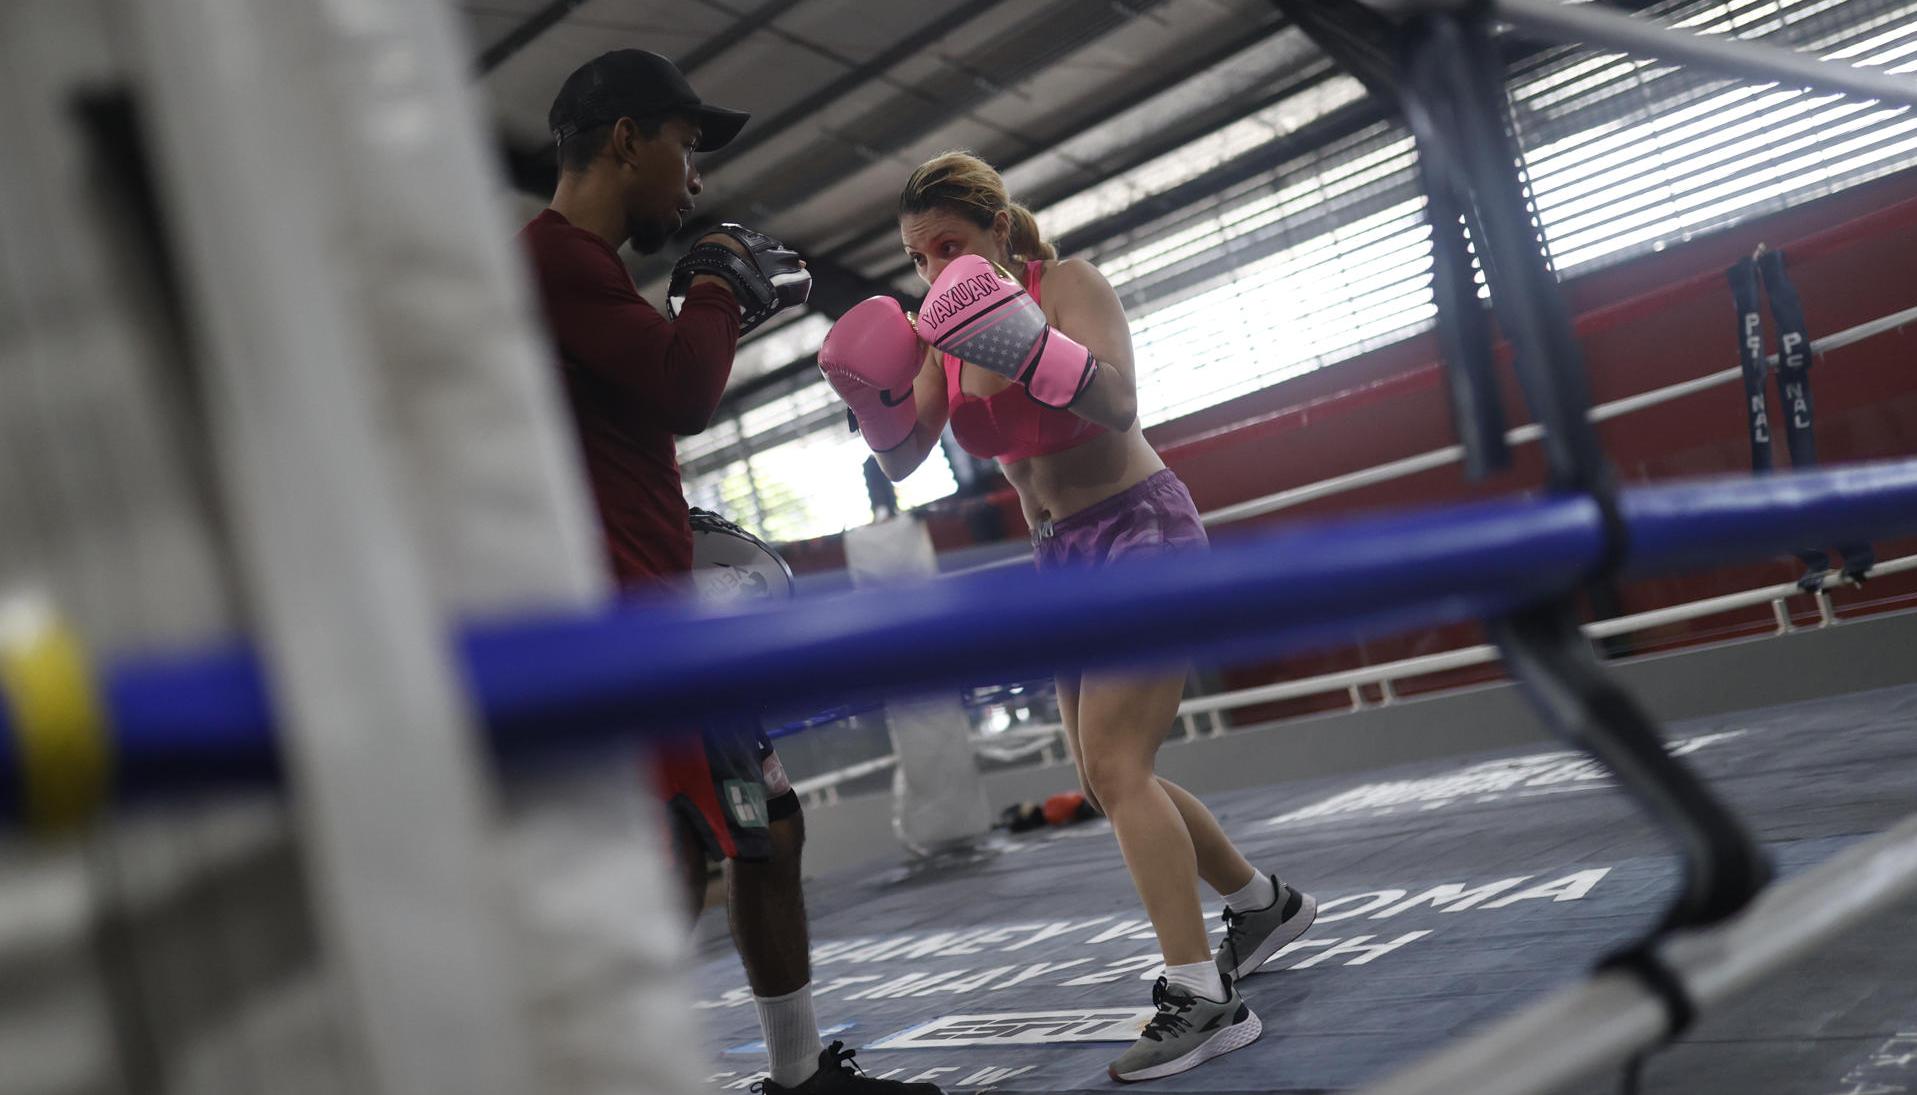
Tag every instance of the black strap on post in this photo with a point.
(1793, 386)
(1467, 70)
(1794, 393)
(1551, 659)
(1369, 45)
(1793, 359)
(1680, 1009)
(1750, 358)
(1464, 328)
(1643, 962)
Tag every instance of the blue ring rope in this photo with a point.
(206, 718)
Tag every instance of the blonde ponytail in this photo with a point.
(1027, 242)
(961, 183)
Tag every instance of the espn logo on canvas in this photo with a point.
(1022, 1028)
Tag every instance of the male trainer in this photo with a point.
(625, 127)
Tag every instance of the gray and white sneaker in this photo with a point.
(1252, 937)
(1187, 1031)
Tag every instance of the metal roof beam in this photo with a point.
(744, 26)
(521, 36)
(1135, 96)
(858, 76)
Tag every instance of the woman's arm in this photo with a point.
(930, 400)
(1083, 306)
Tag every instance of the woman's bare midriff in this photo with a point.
(1061, 484)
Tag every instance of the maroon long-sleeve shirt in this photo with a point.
(634, 379)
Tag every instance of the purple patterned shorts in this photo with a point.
(1150, 518)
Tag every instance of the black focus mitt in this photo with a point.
(768, 278)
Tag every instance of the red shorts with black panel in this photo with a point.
(726, 786)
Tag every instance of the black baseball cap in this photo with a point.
(632, 83)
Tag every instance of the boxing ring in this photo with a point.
(79, 734)
(209, 718)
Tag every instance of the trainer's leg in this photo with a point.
(689, 856)
(766, 903)
(767, 910)
(1122, 722)
(682, 768)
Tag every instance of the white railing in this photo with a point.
(823, 790)
(1451, 454)
(1384, 673)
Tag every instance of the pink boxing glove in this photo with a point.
(871, 356)
(977, 315)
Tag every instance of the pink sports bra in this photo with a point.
(1011, 425)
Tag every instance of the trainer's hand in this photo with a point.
(730, 244)
(726, 241)
(763, 275)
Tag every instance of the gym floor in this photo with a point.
(1454, 892)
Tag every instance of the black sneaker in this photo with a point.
(838, 1074)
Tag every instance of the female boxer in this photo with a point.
(1030, 360)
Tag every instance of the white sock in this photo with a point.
(791, 1035)
(1199, 979)
(1256, 894)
